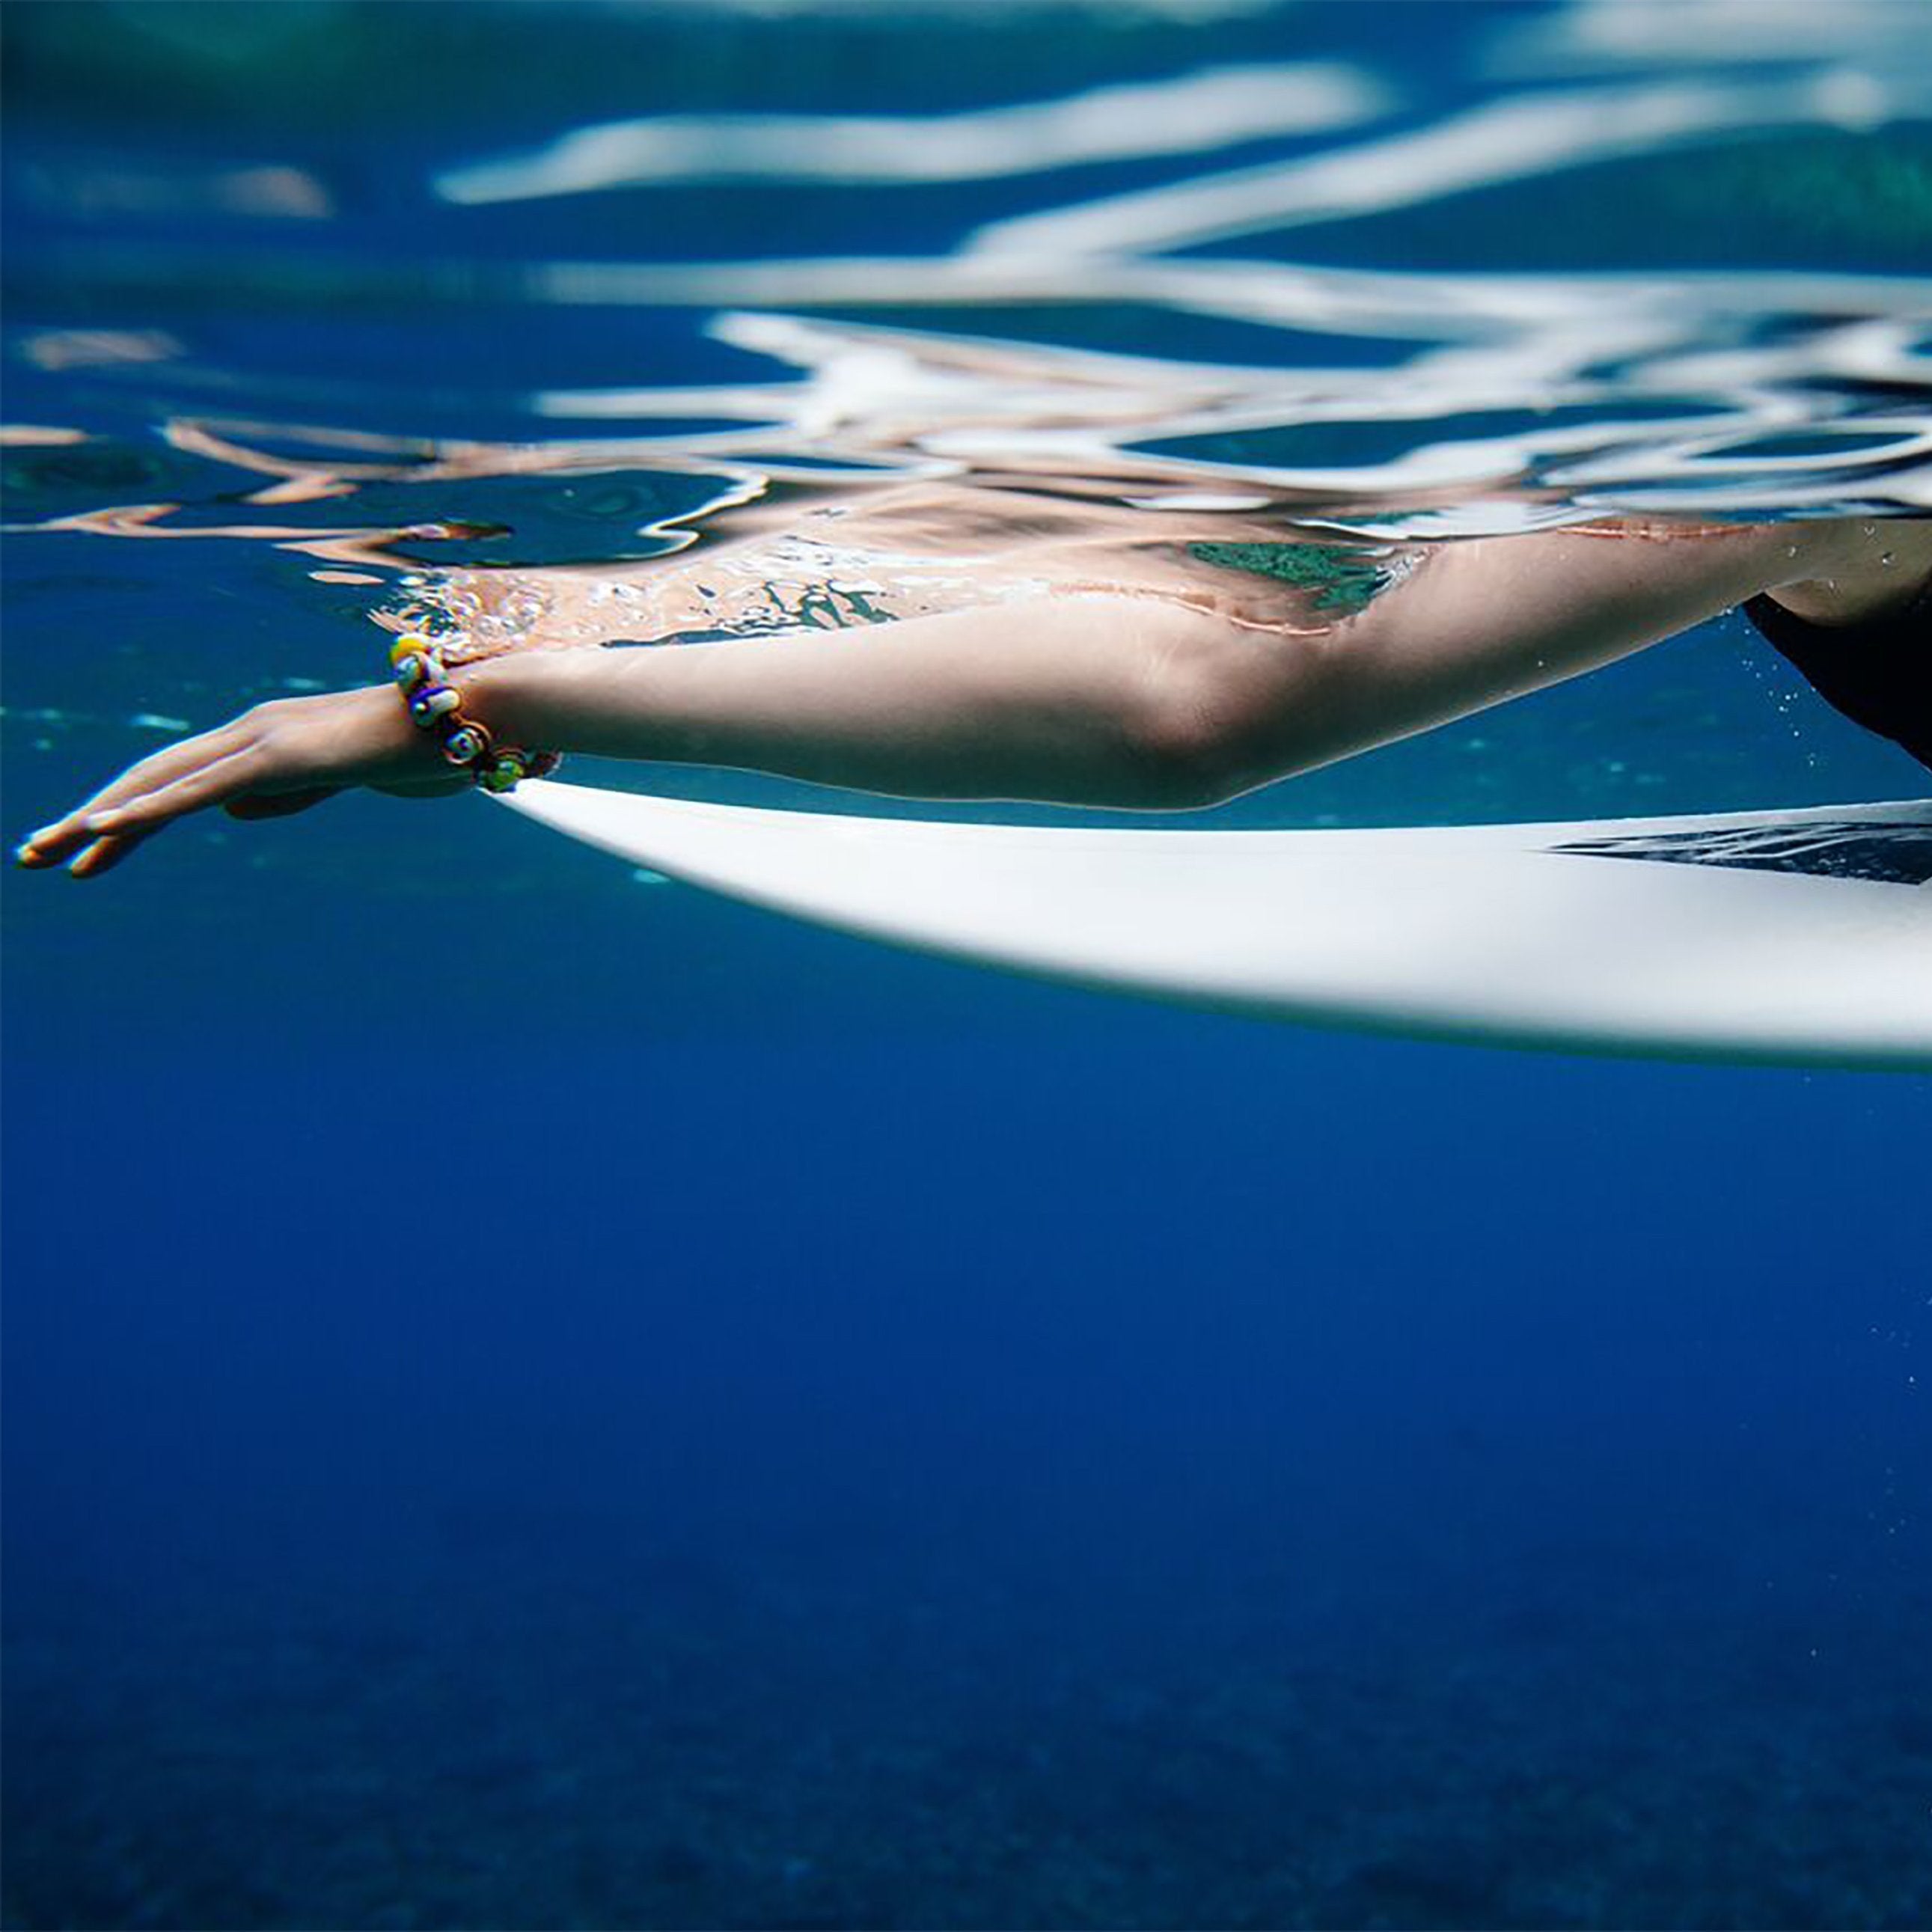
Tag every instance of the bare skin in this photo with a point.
(1087, 695)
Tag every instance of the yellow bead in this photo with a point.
(409, 645)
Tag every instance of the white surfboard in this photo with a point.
(1803, 936)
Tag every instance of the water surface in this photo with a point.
(535, 1401)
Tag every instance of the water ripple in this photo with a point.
(573, 341)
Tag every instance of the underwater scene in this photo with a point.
(536, 1396)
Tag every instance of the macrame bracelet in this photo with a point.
(436, 706)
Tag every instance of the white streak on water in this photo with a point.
(1502, 141)
(1591, 356)
(1608, 36)
(1440, 307)
(1215, 108)
(1420, 401)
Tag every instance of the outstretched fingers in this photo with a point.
(108, 851)
(104, 832)
(55, 843)
(194, 791)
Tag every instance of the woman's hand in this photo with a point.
(281, 757)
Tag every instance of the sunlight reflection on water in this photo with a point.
(1069, 297)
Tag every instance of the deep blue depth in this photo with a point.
(532, 1399)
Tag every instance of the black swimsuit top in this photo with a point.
(1880, 674)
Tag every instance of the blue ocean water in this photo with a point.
(533, 1399)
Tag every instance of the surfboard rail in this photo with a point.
(1800, 936)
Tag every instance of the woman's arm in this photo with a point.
(1092, 698)
(1134, 701)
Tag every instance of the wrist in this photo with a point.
(434, 705)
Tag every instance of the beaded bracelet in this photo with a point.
(435, 705)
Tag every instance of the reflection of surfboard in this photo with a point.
(1772, 935)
